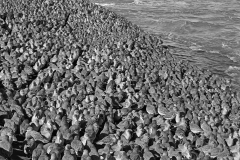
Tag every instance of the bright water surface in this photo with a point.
(206, 33)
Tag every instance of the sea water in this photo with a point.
(206, 33)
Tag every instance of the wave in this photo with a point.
(136, 1)
(234, 56)
(231, 68)
(105, 4)
(196, 48)
(233, 71)
(158, 3)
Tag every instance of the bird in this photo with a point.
(35, 120)
(235, 148)
(29, 146)
(10, 124)
(77, 145)
(52, 113)
(157, 147)
(16, 118)
(47, 129)
(63, 124)
(37, 151)
(236, 156)
(172, 152)
(127, 103)
(93, 150)
(65, 105)
(126, 136)
(118, 146)
(206, 149)
(54, 148)
(123, 125)
(58, 120)
(217, 151)
(23, 126)
(134, 154)
(3, 158)
(162, 110)
(59, 138)
(117, 115)
(89, 130)
(67, 135)
(67, 154)
(191, 137)
(195, 128)
(75, 128)
(169, 115)
(75, 117)
(159, 119)
(120, 155)
(15, 107)
(105, 150)
(177, 117)
(220, 139)
(110, 85)
(84, 138)
(35, 135)
(72, 112)
(41, 121)
(183, 148)
(9, 132)
(140, 130)
(43, 156)
(229, 140)
(109, 139)
(167, 125)
(105, 130)
(144, 139)
(6, 145)
(147, 155)
(189, 115)
(164, 156)
(205, 127)
(85, 155)
(151, 109)
(153, 129)
(96, 127)
(53, 156)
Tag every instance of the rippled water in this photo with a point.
(206, 33)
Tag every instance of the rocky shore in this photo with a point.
(80, 82)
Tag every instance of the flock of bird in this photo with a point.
(78, 81)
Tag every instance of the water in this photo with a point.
(207, 33)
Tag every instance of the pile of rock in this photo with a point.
(79, 82)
